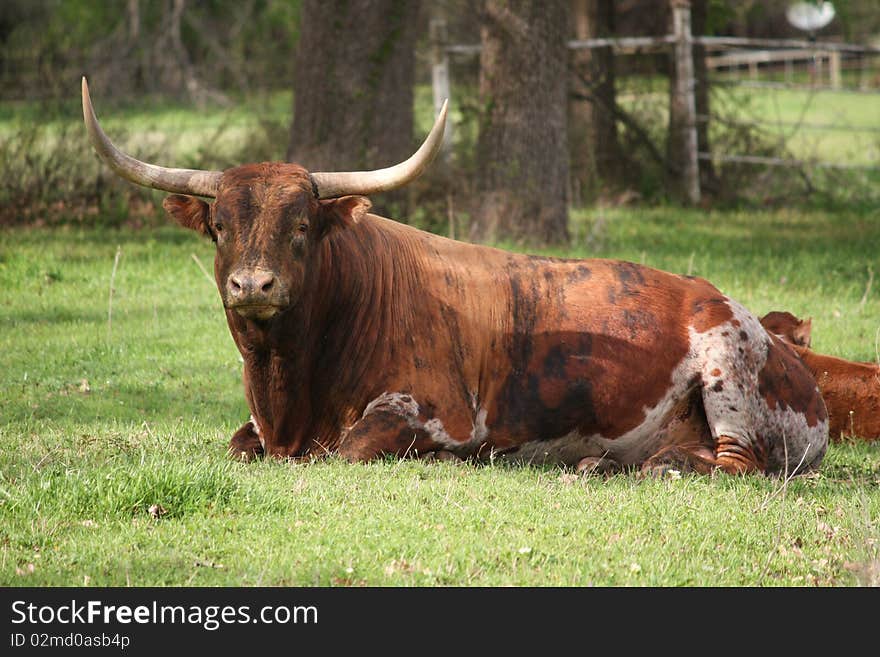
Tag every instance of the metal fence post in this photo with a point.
(440, 77)
(684, 99)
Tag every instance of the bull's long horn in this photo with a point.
(181, 181)
(342, 183)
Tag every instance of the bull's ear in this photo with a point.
(803, 332)
(338, 213)
(189, 212)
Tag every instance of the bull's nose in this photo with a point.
(251, 286)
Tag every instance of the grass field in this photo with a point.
(104, 417)
(834, 127)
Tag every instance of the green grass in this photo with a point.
(785, 114)
(782, 109)
(101, 421)
(147, 114)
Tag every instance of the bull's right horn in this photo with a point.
(342, 183)
(179, 181)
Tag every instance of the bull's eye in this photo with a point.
(303, 228)
(218, 227)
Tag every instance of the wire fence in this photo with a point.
(822, 117)
(807, 68)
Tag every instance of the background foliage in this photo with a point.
(235, 68)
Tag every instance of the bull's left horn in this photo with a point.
(343, 183)
(180, 181)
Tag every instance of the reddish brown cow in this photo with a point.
(788, 327)
(363, 337)
(851, 390)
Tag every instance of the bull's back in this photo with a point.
(532, 355)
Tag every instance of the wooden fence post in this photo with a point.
(440, 77)
(834, 68)
(683, 97)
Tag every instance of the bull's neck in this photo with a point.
(366, 280)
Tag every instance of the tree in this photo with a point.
(596, 155)
(353, 78)
(699, 25)
(171, 59)
(708, 180)
(522, 149)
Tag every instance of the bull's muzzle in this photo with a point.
(254, 293)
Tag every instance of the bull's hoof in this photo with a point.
(597, 465)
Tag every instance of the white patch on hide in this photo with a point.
(435, 429)
(631, 448)
(394, 402)
(731, 398)
(480, 431)
(802, 444)
(478, 436)
(733, 401)
(256, 428)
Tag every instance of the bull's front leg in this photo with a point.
(245, 443)
(392, 424)
(384, 433)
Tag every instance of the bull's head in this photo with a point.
(266, 218)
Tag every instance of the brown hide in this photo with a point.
(851, 390)
(546, 347)
(788, 327)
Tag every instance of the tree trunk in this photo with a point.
(580, 124)
(171, 66)
(699, 11)
(676, 156)
(134, 19)
(582, 158)
(353, 86)
(522, 150)
(596, 156)
(134, 54)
